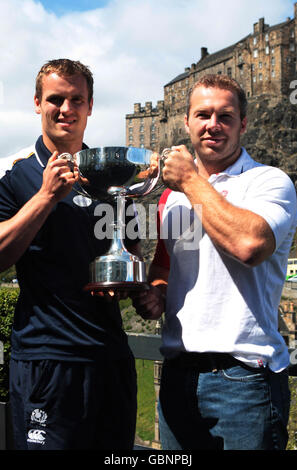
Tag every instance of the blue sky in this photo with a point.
(60, 7)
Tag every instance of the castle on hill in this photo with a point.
(263, 63)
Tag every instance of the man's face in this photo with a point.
(214, 125)
(64, 109)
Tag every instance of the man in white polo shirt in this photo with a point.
(224, 381)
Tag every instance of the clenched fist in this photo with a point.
(179, 168)
(58, 177)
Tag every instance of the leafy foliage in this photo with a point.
(146, 400)
(8, 275)
(8, 299)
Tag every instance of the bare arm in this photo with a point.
(238, 232)
(17, 233)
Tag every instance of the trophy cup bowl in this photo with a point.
(113, 174)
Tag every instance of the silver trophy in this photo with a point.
(113, 174)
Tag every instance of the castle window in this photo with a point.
(292, 34)
(292, 46)
(266, 37)
(272, 61)
(141, 129)
(255, 41)
(153, 137)
(267, 50)
(130, 138)
(255, 53)
(254, 78)
(260, 65)
(130, 130)
(260, 77)
(273, 73)
(229, 72)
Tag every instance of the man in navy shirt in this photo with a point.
(73, 381)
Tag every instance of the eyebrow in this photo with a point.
(210, 110)
(61, 95)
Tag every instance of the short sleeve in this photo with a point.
(8, 204)
(271, 194)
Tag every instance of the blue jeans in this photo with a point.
(238, 408)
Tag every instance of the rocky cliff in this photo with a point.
(271, 135)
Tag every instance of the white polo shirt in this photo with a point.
(215, 303)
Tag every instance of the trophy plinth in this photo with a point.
(122, 272)
(112, 174)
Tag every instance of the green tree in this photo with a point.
(8, 299)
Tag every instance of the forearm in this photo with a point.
(238, 232)
(17, 233)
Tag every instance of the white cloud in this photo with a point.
(133, 47)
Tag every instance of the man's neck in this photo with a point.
(207, 167)
(62, 146)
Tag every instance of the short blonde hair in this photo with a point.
(64, 67)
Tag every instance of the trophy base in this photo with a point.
(116, 286)
(122, 272)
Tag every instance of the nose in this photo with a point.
(213, 123)
(66, 106)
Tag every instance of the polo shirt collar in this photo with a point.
(242, 164)
(43, 153)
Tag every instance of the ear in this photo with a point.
(90, 107)
(37, 105)
(243, 125)
(186, 124)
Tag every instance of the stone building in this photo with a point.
(264, 63)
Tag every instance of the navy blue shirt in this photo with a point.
(54, 317)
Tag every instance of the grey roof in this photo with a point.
(179, 77)
(207, 61)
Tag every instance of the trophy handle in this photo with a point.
(69, 158)
(150, 185)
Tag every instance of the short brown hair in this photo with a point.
(64, 67)
(224, 82)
